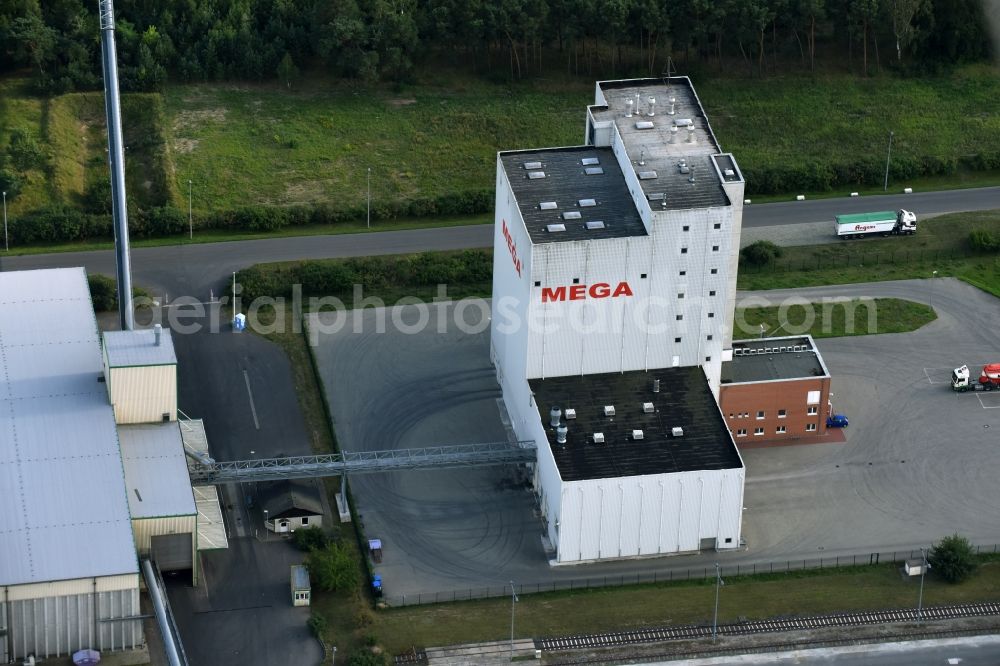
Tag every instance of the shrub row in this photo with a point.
(63, 223)
(338, 276)
(982, 240)
(818, 177)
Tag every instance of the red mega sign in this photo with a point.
(512, 248)
(578, 292)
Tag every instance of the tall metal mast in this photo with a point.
(116, 163)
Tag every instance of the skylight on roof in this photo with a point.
(532, 165)
(553, 228)
(656, 196)
(593, 225)
(586, 203)
(644, 125)
(534, 175)
(548, 205)
(647, 175)
(594, 171)
(571, 215)
(590, 161)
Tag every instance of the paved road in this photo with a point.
(194, 269)
(971, 651)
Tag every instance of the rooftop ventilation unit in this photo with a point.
(571, 215)
(647, 408)
(532, 165)
(683, 122)
(673, 104)
(673, 133)
(637, 435)
(554, 415)
(628, 107)
(609, 410)
(644, 125)
(656, 386)
(647, 175)
(598, 438)
(590, 161)
(561, 433)
(535, 175)
(677, 431)
(548, 205)
(555, 228)
(587, 203)
(690, 138)
(593, 225)
(651, 109)
(656, 196)
(594, 171)
(570, 414)
(729, 173)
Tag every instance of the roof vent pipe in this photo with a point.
(656, 386)
(673, 102)
(652, 106)
(554, 415)
(690, 133)
(157, 332)
(673, 134)
(561, 433)
(628, 107)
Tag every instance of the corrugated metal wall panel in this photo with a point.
(144, 394)
(145, 528)
(611, 518)
(633, 490)
(61, 588)
(59, 625)
(591, 519)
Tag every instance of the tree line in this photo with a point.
(202, 40)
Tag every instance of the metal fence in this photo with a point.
(841, 259)
(667, 574)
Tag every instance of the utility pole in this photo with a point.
(923, 569)
(369, 197)
(715, 618)
(885, 186)
(190, 217)
(6, 245)
(513, 600)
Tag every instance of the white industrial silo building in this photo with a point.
(613, 292)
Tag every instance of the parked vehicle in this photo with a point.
(989, 379)
(884, 223)
(837, 421)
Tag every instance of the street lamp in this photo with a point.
(933, 276)
(718, 583)
(369, 197)
(190, 218)
(885, 187)
(6, 245)
(923, 570)
(513, 600)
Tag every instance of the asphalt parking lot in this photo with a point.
(919, 462)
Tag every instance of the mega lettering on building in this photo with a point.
(634, 456)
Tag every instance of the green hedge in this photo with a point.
(338, 276)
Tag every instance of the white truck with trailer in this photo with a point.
(963, 380)
(883, 223)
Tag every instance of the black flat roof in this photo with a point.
(566, 183)
(769, 359)
(684, 401)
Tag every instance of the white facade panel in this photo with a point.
(650, 515)
(143, 394)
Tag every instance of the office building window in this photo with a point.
(714, 271)
(812, 411)
(742, 432)
(677, 340)
(781, 414)
(760, 414)
(758, 431)
(780, 430)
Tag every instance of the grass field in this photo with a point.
(940, 246)
(831, 320)
(611, 609)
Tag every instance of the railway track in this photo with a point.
(693, 632)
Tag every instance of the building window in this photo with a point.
(742, 432)
(305, 520)
(711, 293)
(642, 275)
(680, 317)
(812, 411)
(715, 248)
(780, 430)
(760, 414)
(758, 431)
(680, 295)
(810, 427)
(708, 359)
(717, 225)
(683, 273)
(730, 415)
(781, 414)
(714, 271)
(686, 228)
(576, 280)
(538, 283)
(711, 315)
(709, 336)
(677, 339)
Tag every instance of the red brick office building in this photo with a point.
(775, 389)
